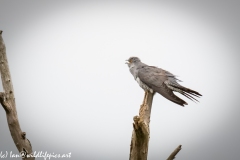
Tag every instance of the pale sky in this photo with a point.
(75, 94)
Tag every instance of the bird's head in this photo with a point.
(132, 60)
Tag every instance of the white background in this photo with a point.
(75, 94)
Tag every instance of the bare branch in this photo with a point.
(175, 152)
(8, 102)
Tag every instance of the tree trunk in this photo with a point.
(8, 102)
(141, 132)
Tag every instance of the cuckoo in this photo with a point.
(156, 80)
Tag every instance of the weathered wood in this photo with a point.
(8, 102)
(141, 132)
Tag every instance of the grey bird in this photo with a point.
(154, 79)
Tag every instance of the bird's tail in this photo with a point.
(189, 93)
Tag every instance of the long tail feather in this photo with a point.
(189, 93)
(189, 96)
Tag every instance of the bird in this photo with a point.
(156, 80)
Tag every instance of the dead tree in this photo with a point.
(8, 102)
(141, 132)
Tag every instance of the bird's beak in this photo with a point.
(127, 62)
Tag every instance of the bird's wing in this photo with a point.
(154, 78)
